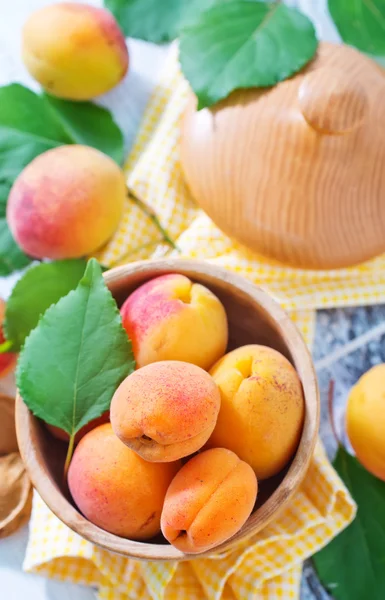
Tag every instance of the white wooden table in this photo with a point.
(127, 103)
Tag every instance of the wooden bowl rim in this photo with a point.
(69, 515)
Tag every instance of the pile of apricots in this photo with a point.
(192, 430)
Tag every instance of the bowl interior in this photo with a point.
(253, 318)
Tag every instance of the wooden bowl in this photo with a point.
(253, 318)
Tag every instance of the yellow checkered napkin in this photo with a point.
(268, 566)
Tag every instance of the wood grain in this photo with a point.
(296, 172)
(253, 318)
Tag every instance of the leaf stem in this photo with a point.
(331, 411)
(147, 210)
(70, 452)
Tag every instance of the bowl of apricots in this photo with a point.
(206, 440)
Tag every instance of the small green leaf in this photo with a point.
(242, 44)
(361, 23)
(89, 124)
(155, 20)
(352, 565)
(40, 286)
(76, 357)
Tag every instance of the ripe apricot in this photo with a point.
(66, 203)
(172, 318)
(365, 420)
(166, 410)
(208, 501)
(115, 488)
(262, 408)
(74, 51)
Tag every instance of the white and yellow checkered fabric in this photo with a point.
(268, 566)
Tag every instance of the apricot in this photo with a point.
(208, 501)
(262, 408)
(74, 51)
(62, 435)
(66, 203)
(365, 420)
(7, 359)
(166, 410)
(172, 318)
(115, 488)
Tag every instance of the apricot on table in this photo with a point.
(115, 488)
(166, 410)
(62, 435)
(66, 203)
(208, 501)
(262, 408)
(365, 420)
(74, 51)
(7, 359)
(172, 318)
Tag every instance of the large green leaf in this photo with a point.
(27, 128)
(352, 566)
(155, 20)
(76, 357)
(244, 43)
(40, 286)
(361, 23)
(89, 124)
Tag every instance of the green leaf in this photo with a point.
(155, 20)
(149, 20)
(89, 124)
(242, 44)
(11, 256)
(76, 357)
(27, 128)
(361, 23)
(40, 286)
(352, 566)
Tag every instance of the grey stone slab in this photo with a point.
(335, 328)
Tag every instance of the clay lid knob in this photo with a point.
(332, 101)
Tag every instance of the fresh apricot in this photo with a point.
(172, 318)
(262, 408)
(115, 488)
(166, 410)
(365, 420)
(208, 501)
(74, 51)
(66, 203)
